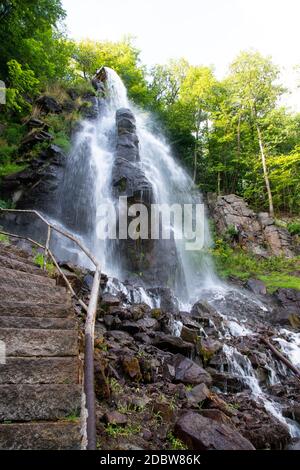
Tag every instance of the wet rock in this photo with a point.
(204, 313)
(200, 433)
(114, 417)
(110, 300)
(108, 320)
(286, 317)
(171, 343)
(130, 326)
(189, 372)
(169, 371)
(207, 348)
(47, 104)
(189, 335)
(226, 382)
(256, 286)
(289, 299)
(131, 367)
(164, 410)
(294, 445)
(143, 338)
(198, 394)
(147, 435)
(217, 415)
(147, 323)
(120, 336)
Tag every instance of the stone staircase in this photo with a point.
(40, 389)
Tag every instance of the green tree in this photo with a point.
(255, 94)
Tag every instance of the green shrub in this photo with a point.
(14, 133)
(62, 140)
(6, 152)
(10, 168)
(294, 228)
(6, 204)
(82, 87)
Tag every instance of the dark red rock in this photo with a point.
(200, 433)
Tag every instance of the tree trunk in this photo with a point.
(195, 162)
(265, 170)
(219, 183)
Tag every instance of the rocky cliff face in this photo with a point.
(255, 232)
(155, 261)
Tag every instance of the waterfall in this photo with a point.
(87, 183)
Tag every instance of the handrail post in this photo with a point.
(89, 387)
(47, 247)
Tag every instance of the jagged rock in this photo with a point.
(47, 104)
(189, 335)
(189, 372)
(289, 299)
(198, 394)
(251, 231)
(131, 367)
(110, 300)
(256, 286)
(165, 411)
(114, 417)
(34, 188)
(171, 343)
(285, 317)
(147, 323)
(294, 445)
(216, 415)
(208, 347)
(33, 123)
(200, 433)
(36, 136)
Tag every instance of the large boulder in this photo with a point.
(154, 262)
(257, 233)
(188, 372)
(200, 433)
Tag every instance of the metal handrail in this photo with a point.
(91, 309)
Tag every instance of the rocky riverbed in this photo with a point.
(202, 379)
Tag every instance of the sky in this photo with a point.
(205, 32)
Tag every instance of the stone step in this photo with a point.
(30, 342)
(12, 254)
(37, 309)
(55, 295)
(30, 286)
(39, 402)
(40, 370)
(60, 435)
(11, 275)
(40, 323)
(21, 266)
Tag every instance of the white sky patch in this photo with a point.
(204, 32)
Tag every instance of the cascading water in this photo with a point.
(87, 183)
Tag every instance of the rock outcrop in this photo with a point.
(153, 261)
(255, 232)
